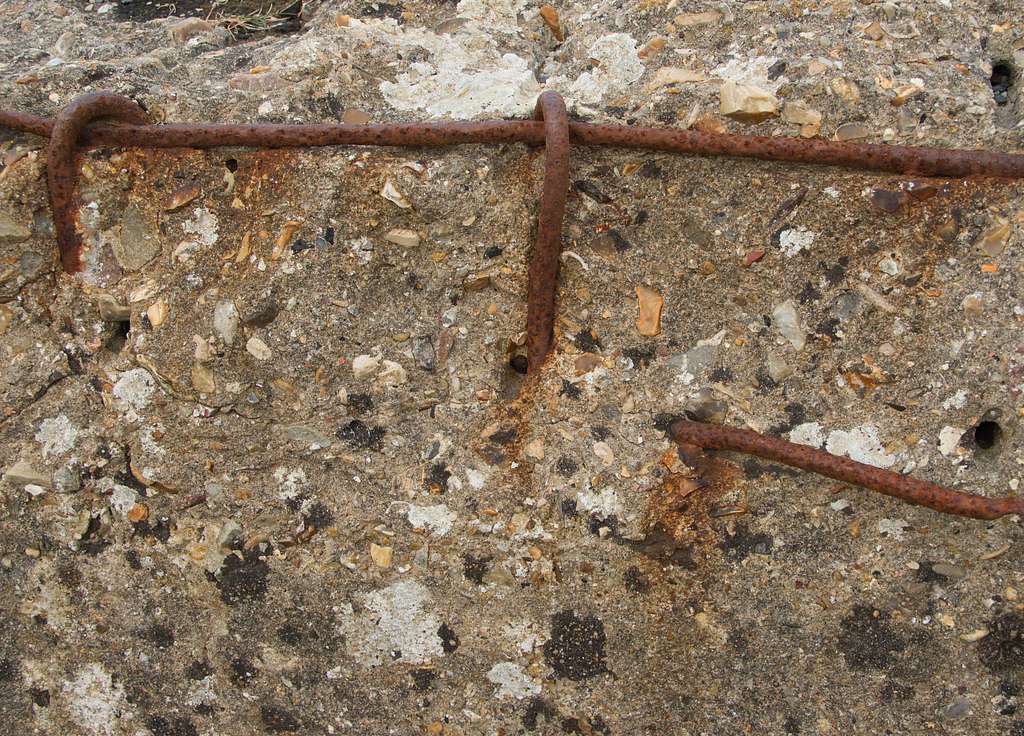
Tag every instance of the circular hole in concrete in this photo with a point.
(987, 434)
(1001, 80)
(231, 164)
(518, 363)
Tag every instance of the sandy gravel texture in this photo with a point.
(270, 462)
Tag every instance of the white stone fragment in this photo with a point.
(225, 322)
(403, 237)
(787, 322)
(949, 440)
(21, 473)
(258, 349)
(746, 101)
(603, 451)
(392, 374)
(364, 366)
(391, 193)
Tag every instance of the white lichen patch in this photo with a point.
(56, 435)
(893, 528)
(808, 433)
(95, 701)
(793, 241)
(132, 391)
(496, 15)
(512, 682)
(437, 520)
(618, 68)
(290, 483)
(956, 401)
(464, 76)
(861, 444)
(605, 502)
(203, 226)
(751, 71)
(122, 499)
(395, 619)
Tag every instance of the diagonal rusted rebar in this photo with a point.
(911, 490)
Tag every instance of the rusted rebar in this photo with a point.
(61, 167)
(905, 488)
(909, 160)
(547, 249)
(551, 127)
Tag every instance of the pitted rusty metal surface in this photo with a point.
(911, 490)
(61, 168)
(551, 127)
(540, 310)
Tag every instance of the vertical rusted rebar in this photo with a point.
(543, 286)
(61, 171)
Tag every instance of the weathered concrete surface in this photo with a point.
(304, 489)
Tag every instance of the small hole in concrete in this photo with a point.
(518, 363)
(232, 165)
(986, 434)
(119, 338)
(1001, 80)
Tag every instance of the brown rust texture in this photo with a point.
(911, 490)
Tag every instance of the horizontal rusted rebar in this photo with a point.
(905, 488)
(910, 160)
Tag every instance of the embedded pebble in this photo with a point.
(391, 193)
(787, 322)
(11, 230)
(648, 322)
(391, 374)
(364, 366)
(949, 440)
(258, 349)
(21, 473)
(404, 238)
(225, 322)
(747, 103)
